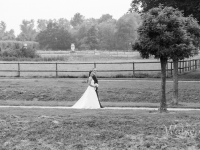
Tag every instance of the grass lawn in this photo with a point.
(65, 92)
(71, 129)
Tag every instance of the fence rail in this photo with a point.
(63, 67)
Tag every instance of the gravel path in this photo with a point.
(120, 108)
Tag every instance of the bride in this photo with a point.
(89, 99)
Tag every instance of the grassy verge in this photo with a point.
(72, 129)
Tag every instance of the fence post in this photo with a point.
(18, 69)
(171, 68)
(56, 70)
(94, 65)
(133, 69)
(185, 65)
(195, 64)
(199, 63)
(167, 70)
(191, 65)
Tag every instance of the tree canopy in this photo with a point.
(166, 32)
(54, 37)
(189, 7)
(28, 31)
(126, 30)
(6, 35)
(77, 19)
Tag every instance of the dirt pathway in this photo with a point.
(120, 108)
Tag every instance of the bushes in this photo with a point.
(19, 53)
(5, 45)
(14, 49)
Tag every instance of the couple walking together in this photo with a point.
(90, 98)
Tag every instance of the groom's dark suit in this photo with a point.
(96, 81)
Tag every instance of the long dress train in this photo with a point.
(89, 99)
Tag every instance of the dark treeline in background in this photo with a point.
(105, 33)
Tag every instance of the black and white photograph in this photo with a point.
(99, 74)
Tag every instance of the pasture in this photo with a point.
(71, 129)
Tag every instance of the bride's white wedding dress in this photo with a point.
(89, 99)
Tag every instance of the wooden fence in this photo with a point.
(57, 69)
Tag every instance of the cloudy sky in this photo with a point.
(12, 12)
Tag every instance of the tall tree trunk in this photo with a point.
(163, 105)
(175, 82)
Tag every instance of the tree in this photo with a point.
(28, 32)
(183, 50)
(126, 33)
(2, 29)
(64, 23)
(77, 20)
(55, 37)
(187, 6)
(9, 35)
(106, 34)
(92, 38)
(6, 35)
(41, 25)
(80, 34)
(104, 18)
(163, 33)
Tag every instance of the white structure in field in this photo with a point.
(72, 47)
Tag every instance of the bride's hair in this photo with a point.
(89, 75)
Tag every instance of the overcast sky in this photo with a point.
(12, 12)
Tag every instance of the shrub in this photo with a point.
(4, 45)
(18, 53)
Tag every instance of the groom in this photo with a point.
(94, 70)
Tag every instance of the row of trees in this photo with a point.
(102, 33)
(167, 34)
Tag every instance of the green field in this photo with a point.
(64, 92)
(54, 129)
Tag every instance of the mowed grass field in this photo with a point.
(66, 91)
(71, 129)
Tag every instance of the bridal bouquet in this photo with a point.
(96, 85)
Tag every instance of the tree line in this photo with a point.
(104, 33)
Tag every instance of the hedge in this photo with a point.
(4, 45)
